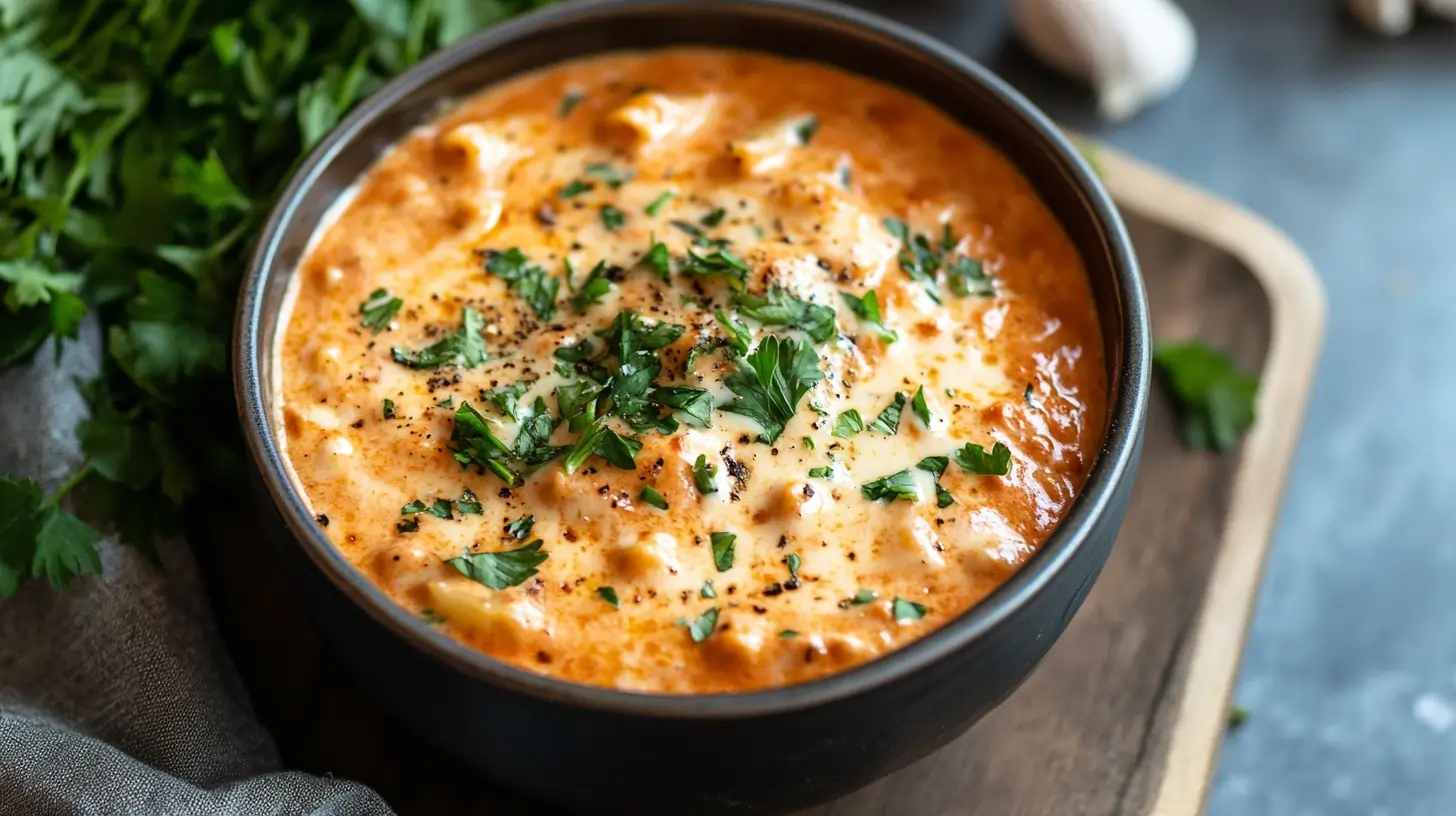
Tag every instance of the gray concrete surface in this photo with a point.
(1348, 143)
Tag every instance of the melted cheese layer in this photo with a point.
(806, 163)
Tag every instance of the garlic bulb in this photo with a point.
(1133, 52)
(1395, 17)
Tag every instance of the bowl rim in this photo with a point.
(1117, 456)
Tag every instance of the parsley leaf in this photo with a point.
(468, 504)
(968, 277)
(609, 595)
(719, 263)
(904, 610)
(575, 188)
(713, 218)
(921, 407)
(441, 509)
(703, 628)
(521, 527)
(936, 466)
(657, 259)
(739, 338)
(771, 381)
(703, 475)
(613, 177)
(412, 508)
(862, 597)
(593, 289)
(889, 488)
(1215, 402)
(707, 591)
(501, 570)
(569, 103)
(821, 472)
(779, 308)
(848, 424)
(378, 310)
(464, 348)
(652, 497)
(804, 128)
(695, 403)
(388, 410)
(612, 217)
(975, 459)
(867, 309)
(661, 201)
(723, 550)
(889, 419)
(39, 540)
(473, 443)
(530, 281)
(506, 397)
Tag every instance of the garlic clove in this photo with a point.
(1132, 52)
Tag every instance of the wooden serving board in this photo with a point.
(1126, 714)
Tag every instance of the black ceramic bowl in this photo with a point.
(599, 750)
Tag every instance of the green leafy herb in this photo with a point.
(448, 402)
(521, 527)
(862, 597)
(1031, 401)
(779, 308)
(739, 338)
(593, 289)
(889, 488)
(609, 595)
(975, 459)
(431, 617)
(506, 397)
(695, 403)
(412, 508)
(770, 383)
(723, 550)
(442, 509)
(526, 279)
(848, 424)
(936, 466)
(473, 443)
(821, 472)
(967, 277)
(719, 263)
(378, 310)
(388, 411)
(713, 218)
(703, 475)
(612, 218)
(867, 309)
(707, 591)
(569, 102)
(1215, 401)
(703, 628)
(501, 570)
(619, 451)
(613, 177)
(652, 497)
(40, 540)
(804, 128)
(889, 419)
(657, 259)
(576, 187)
(409, 525)
(904, 610)
(465, 347)
(788, 633)
(794, 561)
(809, 441)
(468, 504)
(700, 238)
(923, 261)
(920, 407)
(661, 201)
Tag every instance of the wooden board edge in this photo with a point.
(1298, 314)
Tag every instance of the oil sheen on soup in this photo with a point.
(690, 371)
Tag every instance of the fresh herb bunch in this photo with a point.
(142, 142)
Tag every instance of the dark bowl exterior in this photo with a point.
(599, 750)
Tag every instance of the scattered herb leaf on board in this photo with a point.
(1215, 401)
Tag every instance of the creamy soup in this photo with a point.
(690, 371)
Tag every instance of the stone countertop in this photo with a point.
(1347, 142)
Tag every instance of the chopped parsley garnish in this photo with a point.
(570, 101)
(821, 472)
(975, 459)
(501, 570)
(809, 441)
(779, 308)
(661, 201)
(863, 597)
(702, 628)
(412, 508)
(904, 610)
(739, 338)
(576, 187)
(593, 289)
(804, 128)
(431, 617)
(378, 310)
(1031, 401)
(867, 309)
(609, 595)
(889, 419)
(506, 397)
(707, 591)
(846, 179)
(448, 402)
(936, 466)
(521, 527)
(441, 509)
(723, 550)
(920, 407)
(1215, 401)
(612, 218)
(695, 403)
(533, 436)
(889, 488)
(613, 177)
(922, 262)
(657, 259)
(465, 347)
(719, 263)
(713, 218)
(703, 474)
(652, 497)
(388, 411)
(788, 633)
(794, 561)
(770, 383)
(526, 279)
(848, 424)
(468, 504)
(619, 451)
(967, 277)
(409, 525)
(473, 443)
(699, 237)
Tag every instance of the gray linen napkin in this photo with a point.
(117, 697)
